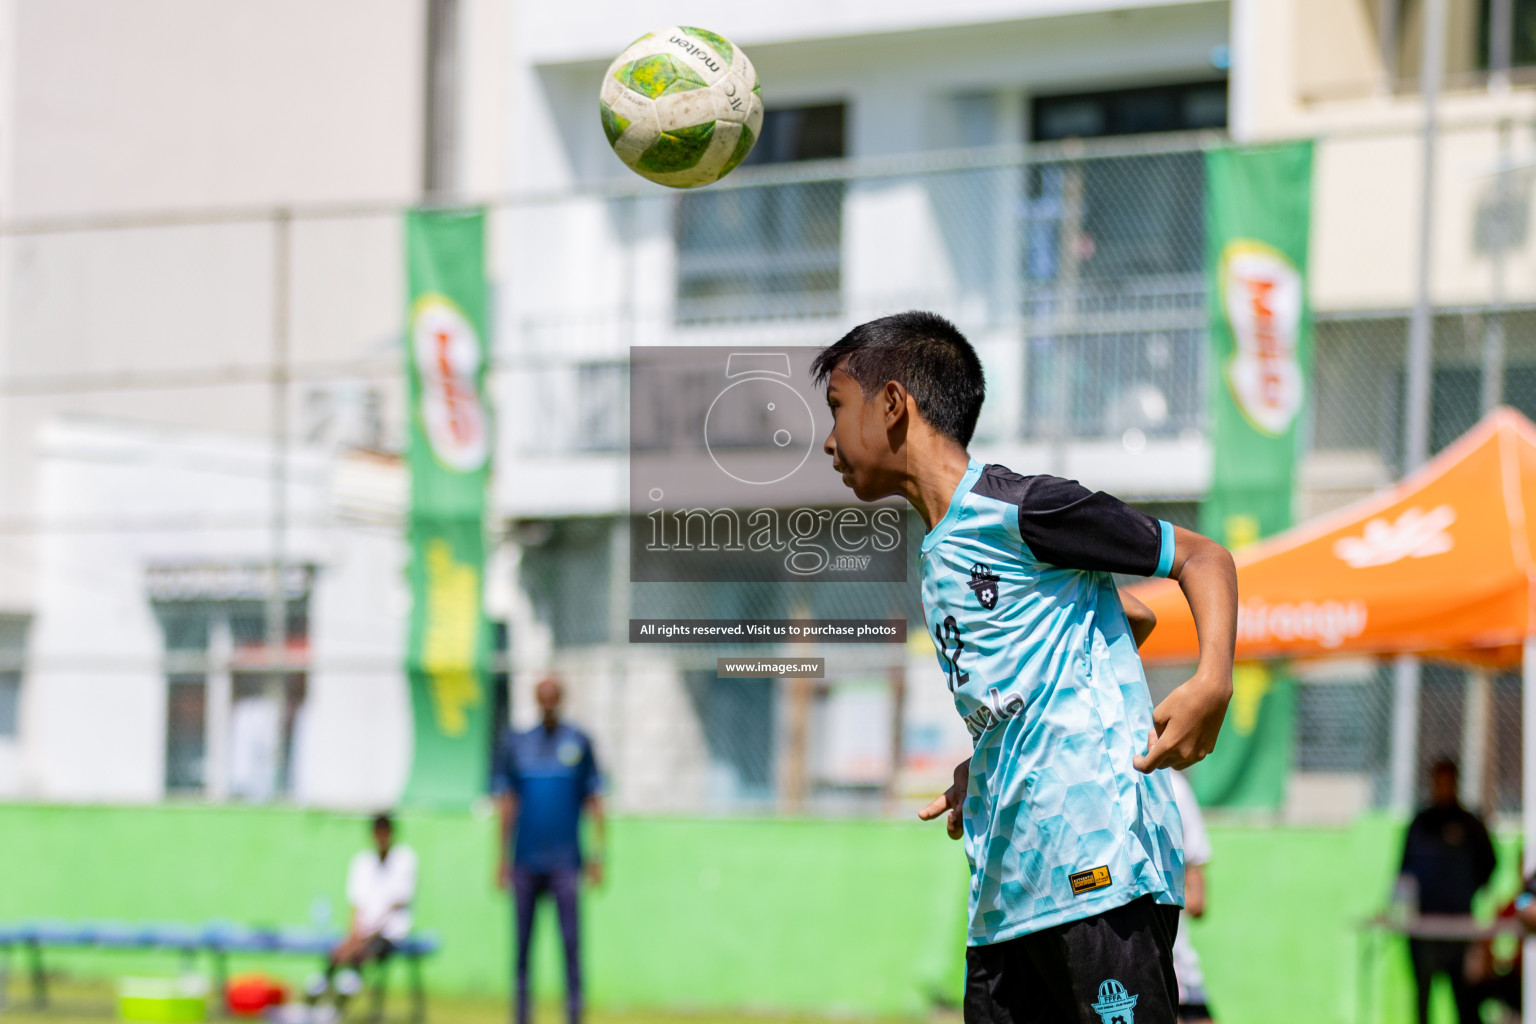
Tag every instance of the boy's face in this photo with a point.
(861, 443)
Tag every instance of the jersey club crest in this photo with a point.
(984, 584)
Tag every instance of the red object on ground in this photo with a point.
(249, 994)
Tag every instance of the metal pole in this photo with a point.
(1501, 37)
(1417, 392)
(277, 604)
(1476, 716)
(1064, 321)
(1404, 766)
(1420, 326)
(896, 676)
(1493, 322)
(1387, 13)
(218, 697)
(440, 150)
(618, 639)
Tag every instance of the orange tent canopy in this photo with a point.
(1441, 565)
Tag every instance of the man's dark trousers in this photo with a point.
(563, 884)
(1449, 958)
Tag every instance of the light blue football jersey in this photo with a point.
(1036, 649)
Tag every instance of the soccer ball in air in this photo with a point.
(682, 106)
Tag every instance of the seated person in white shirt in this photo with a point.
(381, 883)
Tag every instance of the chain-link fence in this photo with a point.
(190, 401)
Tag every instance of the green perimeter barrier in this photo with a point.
(822, 917)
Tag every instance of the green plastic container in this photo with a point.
(162, 1000)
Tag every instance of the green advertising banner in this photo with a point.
(1257, 215)
(448, 649)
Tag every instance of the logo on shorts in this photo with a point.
(984, 584)
(1115, 1005)
(1088, 881)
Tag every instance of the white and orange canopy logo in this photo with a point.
(447, 352)
(1261, 291)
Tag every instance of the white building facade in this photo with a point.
(203, 294)
(202, 299)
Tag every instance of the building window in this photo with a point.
(1480, 36)
(1113, 251)
(230, 719)
(1502, 43)
(566, 570)
(1160, 108)
(737, 719)
(186, 739)
(771, 250)
(602, 406)
(13, 649)
(1122, 217)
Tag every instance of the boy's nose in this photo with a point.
(829, 446)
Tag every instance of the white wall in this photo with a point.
(117, 498)
(554, 33)
(163, 337)
(1367, 176)
(175, 104)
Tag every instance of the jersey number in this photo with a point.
(950, 646)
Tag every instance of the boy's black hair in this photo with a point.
(383, 820)
(924, 353)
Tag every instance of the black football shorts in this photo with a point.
(1113, 968)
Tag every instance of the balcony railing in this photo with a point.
(1077, 272)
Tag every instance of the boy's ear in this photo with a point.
(893, 403)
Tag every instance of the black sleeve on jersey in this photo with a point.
(1066, 524)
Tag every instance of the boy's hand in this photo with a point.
(951, 800)
(1186, 723)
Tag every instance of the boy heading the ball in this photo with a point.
(1072, 834)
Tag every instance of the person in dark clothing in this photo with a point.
(1449, 856)
(547, 780)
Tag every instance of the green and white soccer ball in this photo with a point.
(682, 106)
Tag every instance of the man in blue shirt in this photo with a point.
(544, 779)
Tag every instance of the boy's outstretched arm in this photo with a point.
(1186, 723)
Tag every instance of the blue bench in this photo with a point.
(217, 939)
